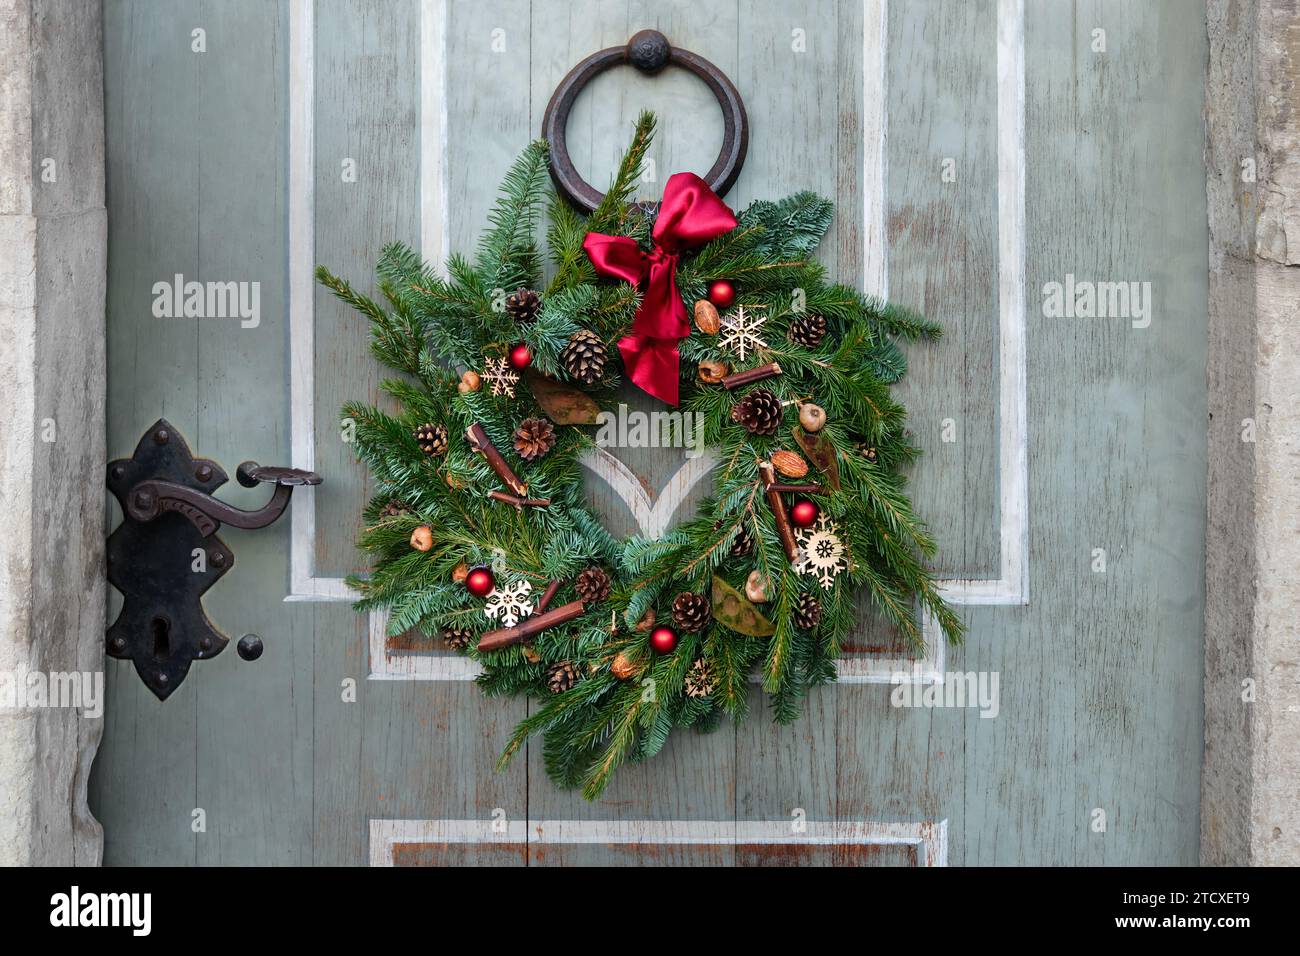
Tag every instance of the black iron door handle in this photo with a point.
(165, 554)
(149, 499)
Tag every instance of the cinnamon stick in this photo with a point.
(547, 596)
(737, 379)
(800, 489)
(479, 441)
(518, 502)
(529, 626)
(784, 529)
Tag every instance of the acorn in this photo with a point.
(647, 621)
(707, 319)
(812, 417)
(460, 573)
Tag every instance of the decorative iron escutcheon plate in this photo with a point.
(162, 627)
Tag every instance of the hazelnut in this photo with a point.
(422, 538)
(712, 372)
(812, 417)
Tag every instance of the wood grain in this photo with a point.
(1099, 676)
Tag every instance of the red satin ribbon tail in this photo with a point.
(652, 365)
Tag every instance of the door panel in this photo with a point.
(1044, 438)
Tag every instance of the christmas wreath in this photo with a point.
(479, 534)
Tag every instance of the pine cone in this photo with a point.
(808, 330)
(395, 509)
(759, 411)
(743, 543)
(457, 638)
(534, 438)
(560, 677)
(807, 612)
(522, 305)
(700, 681)
(585, 357)
(691, 612)
(592, 585)
(432, 439)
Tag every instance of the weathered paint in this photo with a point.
(1100, 673)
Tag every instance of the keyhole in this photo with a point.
(162, 645)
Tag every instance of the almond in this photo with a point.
(789, 464)
(706, 317)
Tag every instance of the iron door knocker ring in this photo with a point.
(649, 51)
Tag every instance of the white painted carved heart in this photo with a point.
(652, 517)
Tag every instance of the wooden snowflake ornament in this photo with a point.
(740, 333)
(501, 378)
(510, 604)
(821, 552)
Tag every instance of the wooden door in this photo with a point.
(977, 151)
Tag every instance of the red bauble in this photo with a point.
(804, 514)
(722, 293)
(520, 356)
(663, 640)
(480, 582)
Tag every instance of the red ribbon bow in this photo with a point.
(690, 215)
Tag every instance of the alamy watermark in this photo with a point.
(179, 299)
(133, 911)
(1085, 299)
(28, 690)
(631, 429)
(974, 689)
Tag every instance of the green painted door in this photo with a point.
(992, 161)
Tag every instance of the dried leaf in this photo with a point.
(822, 453)
(563, 404)
(732, 610)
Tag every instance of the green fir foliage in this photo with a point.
(425, 324)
